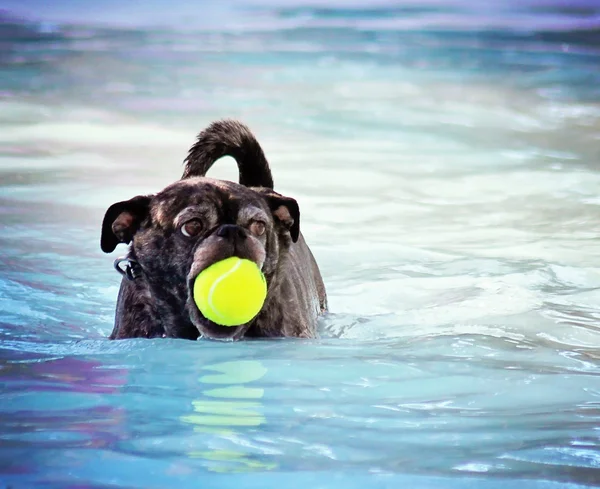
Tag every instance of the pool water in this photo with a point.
(445, 156)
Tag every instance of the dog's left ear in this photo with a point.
(285, 210)
(122, 220)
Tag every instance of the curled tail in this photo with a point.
(229, 138)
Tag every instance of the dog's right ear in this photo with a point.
(122, 220)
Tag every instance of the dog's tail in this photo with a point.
(229, 138)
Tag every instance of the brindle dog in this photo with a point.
(197, 221)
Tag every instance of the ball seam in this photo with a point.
(216, 283)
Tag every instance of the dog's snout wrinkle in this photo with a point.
(231, 231)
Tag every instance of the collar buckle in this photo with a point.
(131, 270)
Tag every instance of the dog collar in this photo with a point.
(131, 270)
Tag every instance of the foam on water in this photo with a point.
(445, 158)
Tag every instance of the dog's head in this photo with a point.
(192, 224)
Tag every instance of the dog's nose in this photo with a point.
(231, 231)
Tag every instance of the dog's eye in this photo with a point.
(192, 228)
(258, 228)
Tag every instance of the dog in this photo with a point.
(197, 221)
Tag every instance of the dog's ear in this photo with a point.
(122, 220)
(285, 210)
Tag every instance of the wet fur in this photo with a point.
(158, 303)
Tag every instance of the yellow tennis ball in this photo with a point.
(230, 292)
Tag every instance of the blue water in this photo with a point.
(445, 158)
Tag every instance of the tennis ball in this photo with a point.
(230, 292)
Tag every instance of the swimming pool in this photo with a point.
(445, 158)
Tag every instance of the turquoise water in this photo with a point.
(445, 158)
